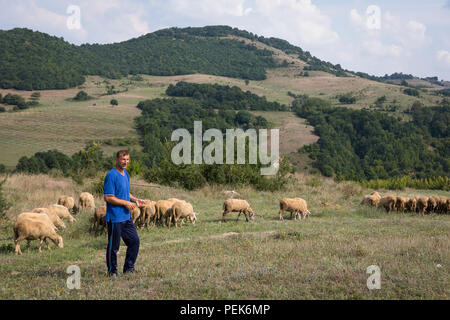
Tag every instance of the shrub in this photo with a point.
(81, 96)
(114, 102)
(4, 204)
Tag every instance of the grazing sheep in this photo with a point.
(53, 217)
(181, 210)
(372, 200)
(99, 219)
(443, 205)
(162, 206)
(400, 203)
(135, 213)
(148, 212)
(86, 201)
(294, 206)
(62, 212)
(34, 229)
(411, 205)
(237, 205)
(69, 203)
(421, 205)
(40, 216)
(388, 203)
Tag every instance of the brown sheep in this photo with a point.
(400, 203)
(69, 203)
(181, 210)
(86, 201)
(421, 205)
(148, 212)
(388, 203)
(35, 229)
(53, 217)
(99, 219)
(411, 205)
(135, 213)
(432, 204)
(294, 206)
(161, 208)
(237, 205)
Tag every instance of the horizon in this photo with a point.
(362, 36)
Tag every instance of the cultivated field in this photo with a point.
(322, 257)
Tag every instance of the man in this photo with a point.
(119, 203)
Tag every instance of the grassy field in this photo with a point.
(322, 257)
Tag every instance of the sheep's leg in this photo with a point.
(40, 244)
(245, 213)
(281, 214)
(46, 242)
(17, 243)
(223, 215)
(237, 219)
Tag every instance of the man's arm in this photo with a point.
(119, 202)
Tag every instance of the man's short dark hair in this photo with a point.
(121, 153)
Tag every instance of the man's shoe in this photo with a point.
(130, 271)
(113, 275)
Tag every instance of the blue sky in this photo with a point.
(376, 37)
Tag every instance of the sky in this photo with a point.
(376, 37)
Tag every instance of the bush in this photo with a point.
(4, 204)
(81, 96)
(2, 109)
(411, 92)
(114, 102)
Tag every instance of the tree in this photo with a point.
(81, 96)
(114, 102)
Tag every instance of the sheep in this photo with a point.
(99, 218)
(372, 200)
(180, 210)
(237, 205)
(400, 203)
(162, 206)
(40, 216)
(62, 212)
(387, 202)
(432, 204)
(294, 206)
(421, 205)
(33, 229)
(86, 201)
(411, 204)
(135, 213)
(69, 203)
(148, 212)
(53, 217)
(443, 206)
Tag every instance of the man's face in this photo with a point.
(123, 161)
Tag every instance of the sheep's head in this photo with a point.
(59, 241)
(75, 209)
(251, 214)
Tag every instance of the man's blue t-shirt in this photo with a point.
(117, 185)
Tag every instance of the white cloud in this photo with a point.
(377, 48)
(444, 56)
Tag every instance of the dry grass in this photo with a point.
(322, 257)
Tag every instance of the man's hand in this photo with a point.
(130, 205)
(140, 203)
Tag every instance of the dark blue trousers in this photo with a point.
(127, 231)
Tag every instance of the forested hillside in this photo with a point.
(364, 145)
(34, 61)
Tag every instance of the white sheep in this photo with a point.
(148, 212)
(69, 203)
(53, 217)
(295, 206)
(34, 229)
(61, 211)
(162, 206)
(86, 201)
(181, 210)
(237, 205)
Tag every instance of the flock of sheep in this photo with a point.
(43, 223)
(420, 205)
